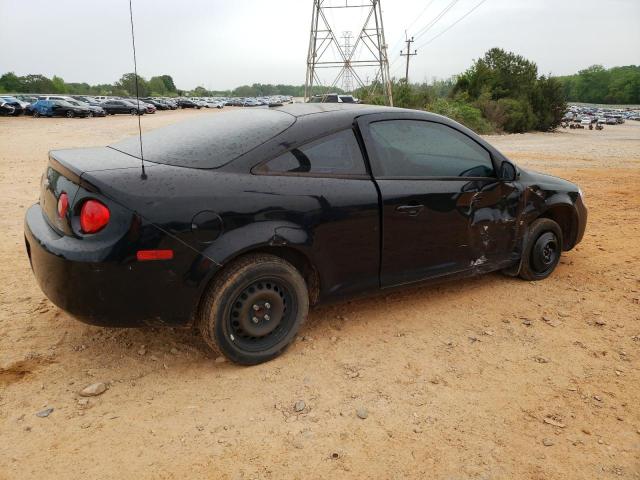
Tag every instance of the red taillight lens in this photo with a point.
(63, 205)
(94, 216)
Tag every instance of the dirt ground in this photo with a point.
(491, 377)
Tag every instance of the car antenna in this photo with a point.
(143, 175)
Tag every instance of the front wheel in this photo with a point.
(132, 111)
(70, 114)
(542, 252)
(253, 309)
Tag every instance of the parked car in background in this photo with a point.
(186, 103)
(6, 108)
(19, 107)
(159, 104)
(113, 107)
(250, 217)
(59, 108)
(94, 110)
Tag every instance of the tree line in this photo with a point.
(596, 84)
(158, 86)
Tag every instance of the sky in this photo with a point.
(223, 44)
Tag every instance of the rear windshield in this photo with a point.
(208, 141)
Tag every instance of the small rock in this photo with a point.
(142, 351)
(174, 351)
(362, 413)
(547, 442)
(220, 359)
(93, 390)
(83, 402)
(44, 413)
(600, 322)
(541, 359)
(562, 313)
(526, 322)
(334, 339)
(299, 406)
(555, 423)
(586, 431)
(154, 358)
(597, 397)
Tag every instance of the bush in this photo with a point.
(464, 113)
(519, 115)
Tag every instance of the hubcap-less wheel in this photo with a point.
(544, 254)
(262, 314)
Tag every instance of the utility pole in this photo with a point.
(366, 54)
(408, 41)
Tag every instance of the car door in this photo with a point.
(443, 208)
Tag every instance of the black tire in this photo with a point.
(90, 115)
(542, 252)
(253, 309)
(133, 111)
(36, 114)
(70, 114)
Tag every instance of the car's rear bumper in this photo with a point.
(100, 287)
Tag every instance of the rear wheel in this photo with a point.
(543, 250)
(90, 114)
(36, 114)
(132, 111)
(253, 309)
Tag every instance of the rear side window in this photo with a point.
(335, 154)
(413, 148)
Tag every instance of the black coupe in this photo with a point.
(240, 221)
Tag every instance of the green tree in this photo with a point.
(58, 85)
(168, 83)
(10, 82)
(127, 83)
(157, 87)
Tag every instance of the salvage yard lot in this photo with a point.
(491, 377)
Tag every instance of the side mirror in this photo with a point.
(508, 172)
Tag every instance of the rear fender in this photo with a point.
(254, 236)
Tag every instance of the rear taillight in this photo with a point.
(94, 216)
(63, 205)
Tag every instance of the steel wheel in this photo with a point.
(261, 314)
(253, 308)
(545, 253)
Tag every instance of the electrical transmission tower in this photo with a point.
(370, 42)
(347, 78)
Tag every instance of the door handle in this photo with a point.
(411, 210)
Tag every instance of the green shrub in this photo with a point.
(464, 113)
(519, 116)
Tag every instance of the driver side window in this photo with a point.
(414, 148)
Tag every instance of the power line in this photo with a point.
(421, 13)
(453, 24)
(431, 24)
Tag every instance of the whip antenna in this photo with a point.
(135, 72)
